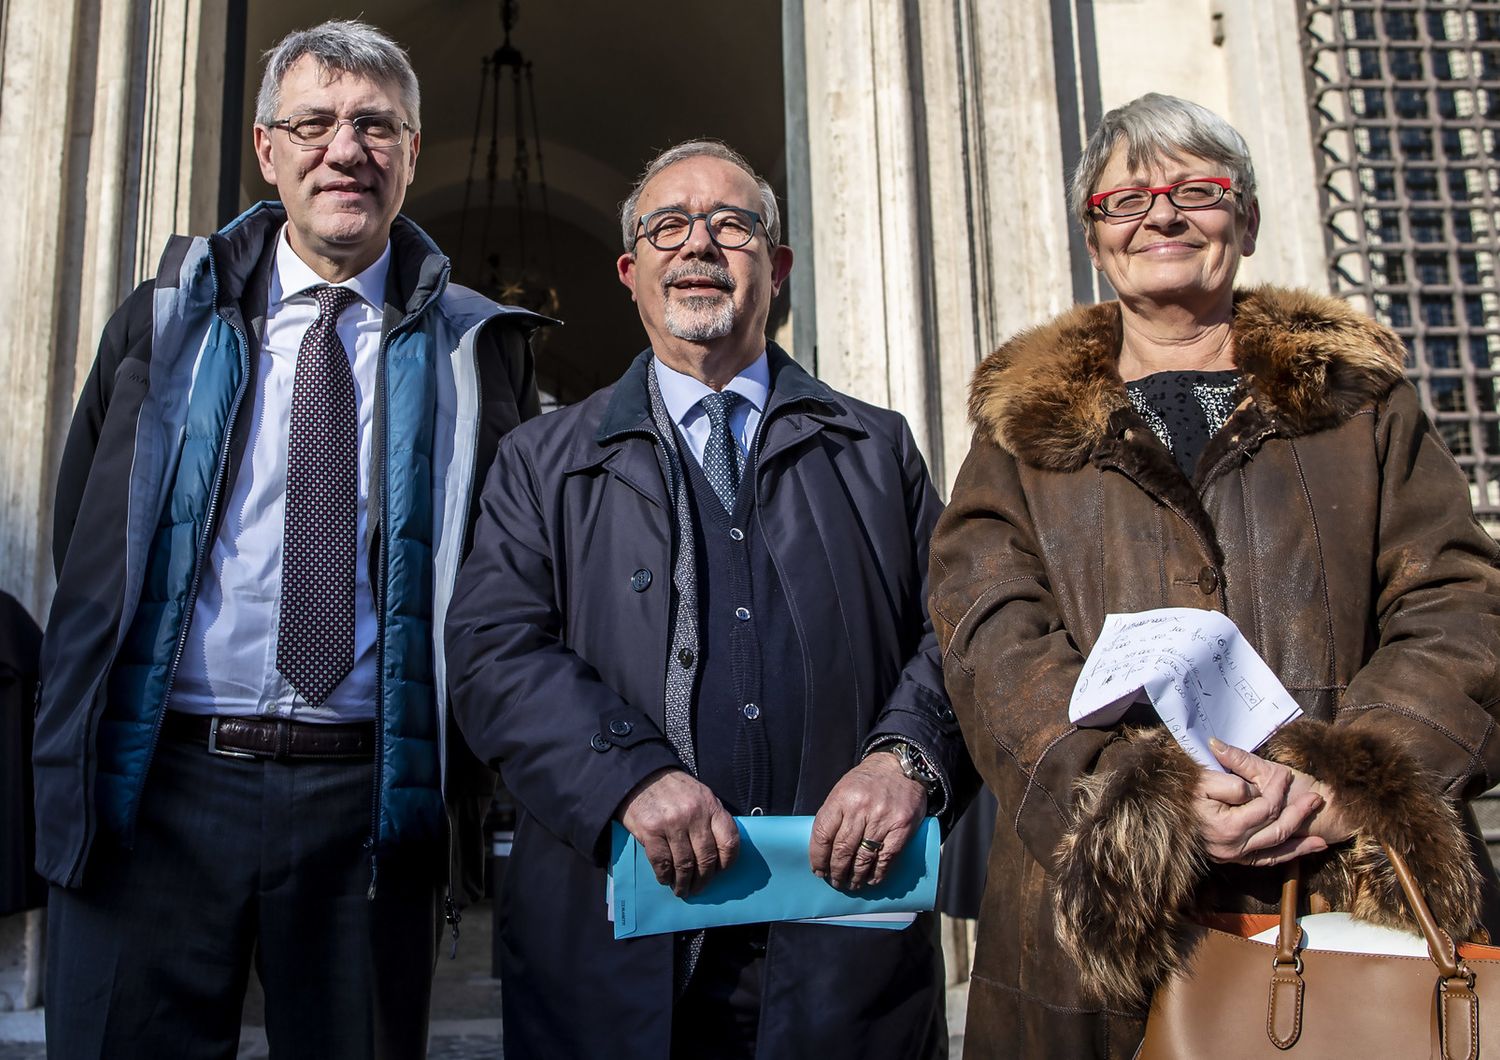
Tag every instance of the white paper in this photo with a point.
(1197, 670)
(889, 921)
(1342, 933)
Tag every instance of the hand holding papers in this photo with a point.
(770, 880)
(1201, 675)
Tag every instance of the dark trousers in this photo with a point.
(718, 1015)
(236, 857)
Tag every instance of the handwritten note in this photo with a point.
(1197, 670)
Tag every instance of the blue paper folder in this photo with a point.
(770, 880)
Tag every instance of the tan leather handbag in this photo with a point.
(1244, 1000)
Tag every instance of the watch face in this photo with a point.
(914, 765)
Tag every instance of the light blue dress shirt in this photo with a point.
(681, 394)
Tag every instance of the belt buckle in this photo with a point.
(213, 743)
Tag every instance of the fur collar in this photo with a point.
(1049, 395)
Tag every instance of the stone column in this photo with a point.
(109, 114)
(183, 111)
(108, 266)
(997, 230)
(797, 219)
(873, 319)
(41, 40)
(938, 223)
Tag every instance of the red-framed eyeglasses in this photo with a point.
(1198, 193)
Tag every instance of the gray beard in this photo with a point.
(700, 319)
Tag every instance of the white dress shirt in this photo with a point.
(681, 394)
(229, 660)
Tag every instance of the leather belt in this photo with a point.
(274, 738)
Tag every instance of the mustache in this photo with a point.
(702, 270)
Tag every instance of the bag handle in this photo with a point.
(1440, 945)
(1457, 1003)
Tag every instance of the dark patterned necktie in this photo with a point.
(315, 635)
(721, 456)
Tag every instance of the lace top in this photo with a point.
(1185, 409)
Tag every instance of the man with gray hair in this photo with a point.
(242, 745)
(701, 593)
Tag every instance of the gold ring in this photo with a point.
(872, 845)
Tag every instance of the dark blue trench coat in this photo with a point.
(549, 642)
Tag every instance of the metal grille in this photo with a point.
(1405, 102)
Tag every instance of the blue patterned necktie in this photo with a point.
(315, 633)
(722, 459)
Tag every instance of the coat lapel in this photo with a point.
(626, 444)
(799, 407)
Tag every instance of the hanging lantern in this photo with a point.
(507, 265)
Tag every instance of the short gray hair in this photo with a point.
(1154, 127)
(699, 149)
(343, 46)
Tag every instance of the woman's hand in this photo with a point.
(1261, 813)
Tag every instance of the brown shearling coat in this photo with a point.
(1329, 522)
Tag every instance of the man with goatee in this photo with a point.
(701, 593)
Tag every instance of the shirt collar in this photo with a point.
(292, 276)
(681, 393)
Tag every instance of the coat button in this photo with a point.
(751, 711)
(742, 613)
(947, 714)
(1208, 581)
(640, 581)
(685, 657)
(736, 534)
(599, 743)
(620, 727)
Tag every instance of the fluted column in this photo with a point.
(109, 122)
(182, 124)
(41, 38)
(862, 160)
(937, 224)
(998, 223)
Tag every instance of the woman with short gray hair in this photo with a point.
(1256, 453)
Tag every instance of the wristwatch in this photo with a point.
(914, 764)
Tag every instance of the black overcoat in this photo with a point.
(554, 634)
(20, 650)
